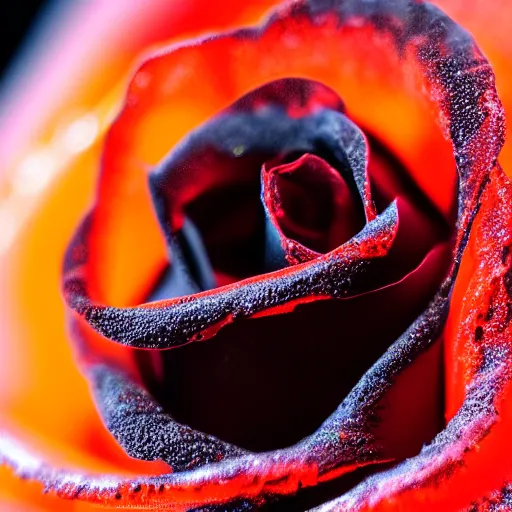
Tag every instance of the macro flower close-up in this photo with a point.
(258, 256)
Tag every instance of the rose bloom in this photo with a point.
(257, 256)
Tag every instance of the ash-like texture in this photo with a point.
(461, 85)
(497, 501)
(342, 273)
(145, 431)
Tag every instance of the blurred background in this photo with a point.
(19, 19)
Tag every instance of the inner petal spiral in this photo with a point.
(283, 344)
(271, 383)
(308, 201)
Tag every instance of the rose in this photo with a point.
(404, 497)
(176, 322)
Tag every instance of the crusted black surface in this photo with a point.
(467, 428)
(332, 276)
(145, 430)
(498, 501)
(235, 144)
(463, 86)
(228, 152)
(449, 61)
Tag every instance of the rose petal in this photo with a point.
(274, 27)
(333, 449)
(310, 206)
(174, 322)
(476, 128)
(310, 360)
(498, 501)
(471, 454)
(223, 157)
(190, 270)
(145, 431)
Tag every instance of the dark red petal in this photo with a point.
(190, 271)
(348, 439)
(213, 174)
(174, 322)
(462, 86)
(298, 97)
(435, 64)
(310, 360)
(309, 203)
(472, 454)
(145, 431)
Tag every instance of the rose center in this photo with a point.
(310, 202)
(268, 381)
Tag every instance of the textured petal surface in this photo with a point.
(454, 68)
(69, 80)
